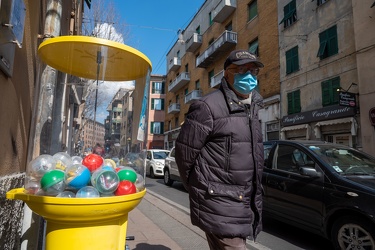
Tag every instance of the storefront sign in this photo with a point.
(347, 99)
(372, 116)
(326, 113)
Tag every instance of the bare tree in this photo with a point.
(102, 21)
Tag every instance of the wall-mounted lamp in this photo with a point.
(343, 90)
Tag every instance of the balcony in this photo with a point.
(223, 43)
(223, 10)
(174, 108)
(179, 82)
(174, 64)
(193, 43)
(193, 95)
(216, 79)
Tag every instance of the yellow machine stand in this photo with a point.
(82, 223)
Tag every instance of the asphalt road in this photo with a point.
(275, 235)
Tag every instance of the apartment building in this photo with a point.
(156, 112)
(195, 62)
(91, 134)
(325, 77)
(113, 122)
(126, 122)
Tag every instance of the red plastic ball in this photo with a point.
(92, 162)
(125, 187)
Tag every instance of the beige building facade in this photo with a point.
(195, 62)
(325, 71)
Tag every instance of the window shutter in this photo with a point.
(152, 104)
(162, 128)
(326, 93)
(332, 40)
(162, 104)
(162, 87)
(153, 88)
(297, 101)
(290, 104)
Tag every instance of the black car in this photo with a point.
(327, 189)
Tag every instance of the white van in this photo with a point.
(155, 160)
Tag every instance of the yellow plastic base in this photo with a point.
(82, 223)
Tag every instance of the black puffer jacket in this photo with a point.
(219, 153)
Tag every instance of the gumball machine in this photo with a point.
(85, 202)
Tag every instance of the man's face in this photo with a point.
(234, 69)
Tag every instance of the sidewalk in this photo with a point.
(159, 224)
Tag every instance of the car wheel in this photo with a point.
(353, 232)
(167, 178)
(152, 175)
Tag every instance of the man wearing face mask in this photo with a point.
(219, 153)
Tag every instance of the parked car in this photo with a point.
(155, 159)
(171, 173)
(324, 188)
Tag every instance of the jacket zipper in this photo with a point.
(228, 145)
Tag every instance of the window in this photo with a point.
(178, 54)
(290, 14)
(272, 131)
(176, 123)
(294, 102)
(229, 27)
(210, 74)
(177, 98)
(292, 64)
(320, 2)
(198, 30)
(291, 159)
(253, 47)
(157, 88)
(157, 104)
(197, 85)
(252, 9)
(328, 43)
(330, 95)
(210, 22)
(187, 67)
(186, 91)
(157, 128)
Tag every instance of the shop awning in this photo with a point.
(94, 58)
(351, 120)
(302, 126)
(336, 121)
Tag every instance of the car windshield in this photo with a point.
(344, 160)
(160, 154)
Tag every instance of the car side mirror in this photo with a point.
(310, 172)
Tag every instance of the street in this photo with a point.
(275, 235)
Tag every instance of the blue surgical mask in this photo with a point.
(245, 83)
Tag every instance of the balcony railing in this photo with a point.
(174, 108)
(216, 79)
(223, 10)
(193, 95)
(174, 64)
(222, 44)
(193, 43)
(179, 82)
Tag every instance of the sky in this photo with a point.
(152, 28)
